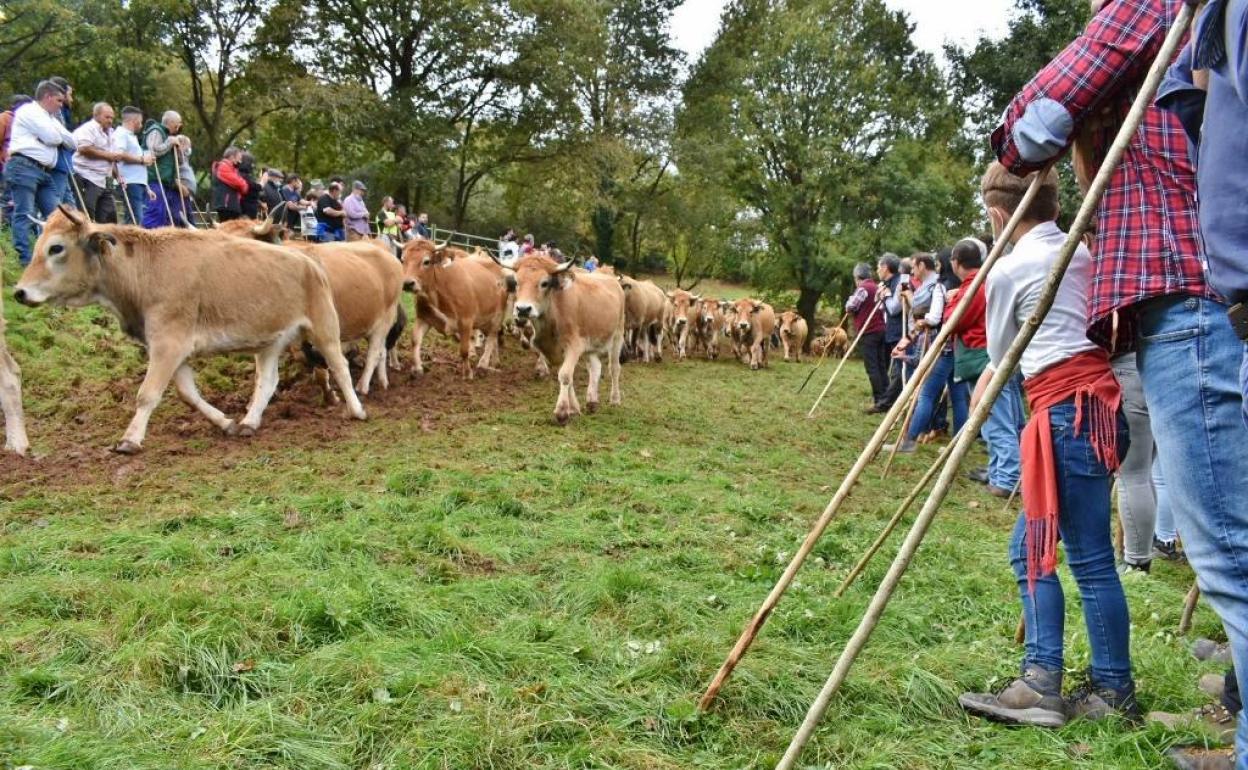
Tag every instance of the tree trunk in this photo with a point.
(807, 301)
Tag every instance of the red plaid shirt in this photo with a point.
(1148, 241)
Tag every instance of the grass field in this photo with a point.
(458, 583)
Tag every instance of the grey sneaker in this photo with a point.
(1091, 701)
(1196, 758)
(1035, 698)
(907, 446)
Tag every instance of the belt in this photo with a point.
(51, 169)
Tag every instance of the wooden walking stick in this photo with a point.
(164, 192)
(1189, 608)
(905, 424)
(844, 358)
(963, 445)
(1013, 493)
(893, 522)
(78, 191)
(125, 196)
(864, 458)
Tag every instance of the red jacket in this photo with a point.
(971, 328)
(228, 174)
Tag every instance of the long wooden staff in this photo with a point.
(844, 358)
(864, 458)
(1002, 375)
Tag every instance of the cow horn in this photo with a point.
(73, 215)
(439, 246)
(277, 210)
(37, 220)
(565, 266)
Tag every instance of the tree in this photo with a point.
(825, 127)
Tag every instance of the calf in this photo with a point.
(755, 323)
(645, 307)
(367, 283)
(456, 294)
(792, 334)
(183, 293)
(11, 392)
(684, 320)
(572, 314)
(710, 323)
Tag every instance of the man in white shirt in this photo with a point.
(32, 160)
(93, 165)
(132, 166)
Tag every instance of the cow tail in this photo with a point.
(400, 322)
(312, 357)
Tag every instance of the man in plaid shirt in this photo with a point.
(1148, 271)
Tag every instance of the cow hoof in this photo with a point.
(245, 431)
(127, 448)
(754, 367)
(591, 407)
(231, 428)
(562, 418)
(359, 414)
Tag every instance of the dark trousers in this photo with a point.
(96, 201)
(875, 361)
(224, 215)
(895, 381)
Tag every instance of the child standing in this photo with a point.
(1074, 441)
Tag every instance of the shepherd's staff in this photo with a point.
(822, 356)
(864, 458)
(970, 431)
(81, 199)
(910, 409)
(164, 191)
(844, 358)
(125, 196)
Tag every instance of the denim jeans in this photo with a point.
(135, 204)
(1083, 484)
(1137, 499)
(33, 194)
(1189, 361)
(1001, 432)
(1163, 529)
(938, 380)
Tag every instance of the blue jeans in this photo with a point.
(135, 204)
(1001, 432)
(1083, 521)
(1189, 361)
(33, 193)
(938, 380)
(327, 234)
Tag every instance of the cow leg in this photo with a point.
(489, 353)
(11, 401)
(163, 361)
(418, 337)
(567, 406)
(756, 355)
(658, 342)
(266, 386)
(785, 341)
(613, 366)
(374, 362)
(328, 396)
(594, 365)
(543, 368)
(467, 342)
(332, 350)
(188, 391)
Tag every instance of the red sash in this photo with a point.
(1089, 378)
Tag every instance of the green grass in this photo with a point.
(498, 592)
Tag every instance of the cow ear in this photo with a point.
(97, 243)
(626, 286)
(511, 283)
(757, 307)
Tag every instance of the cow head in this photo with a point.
(268, 229)
(420, 256)
(685, 304)
(710, 311)
(537, 278)
(66, 264)
(746, 309)
(787, 319)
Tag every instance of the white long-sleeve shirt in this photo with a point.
(1013, 292)
(36, 134)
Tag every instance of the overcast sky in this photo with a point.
(695, 23)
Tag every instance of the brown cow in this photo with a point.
(367, 283)
(644, 309)
(834, 343)
(755, 322)
(572, 315)
(710, 324)
(456, 294)
(183, 293)
(684, 320)
(11, 393)
(793, 331)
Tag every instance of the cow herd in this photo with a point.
(243, 288)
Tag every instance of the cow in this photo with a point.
(755, 322)
(457, 294)
(710, 324)
(793, 331)
(367, 284)
(834, 342)
(684, 320)
(11, 393)
(572, 315)
(645, 306)
(182, 293)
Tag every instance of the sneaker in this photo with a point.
(1126, 566)
(1196, 758)
(1092, 702)
(1168, 550)
(907, 446)
(875, 409)
(1207, 649)
(1035, 699)
(1214, 718)
(979, 474)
